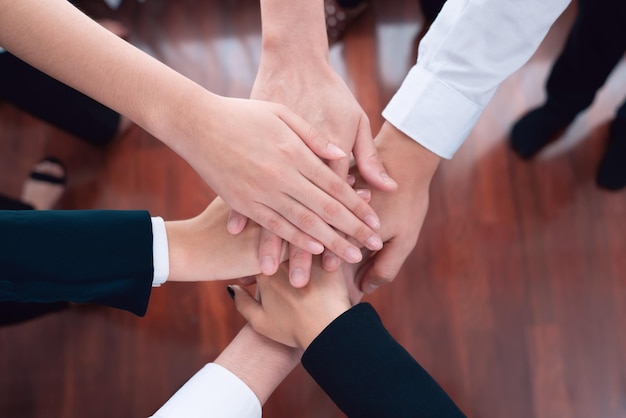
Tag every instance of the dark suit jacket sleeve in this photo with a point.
(368, 374)
(94, 256)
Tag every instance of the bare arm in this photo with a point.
(218, 136)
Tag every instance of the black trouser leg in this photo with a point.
(595, 45)
(54, 102)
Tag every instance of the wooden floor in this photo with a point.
(514, 298)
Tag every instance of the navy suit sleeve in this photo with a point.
(368, 374)
(92, 256)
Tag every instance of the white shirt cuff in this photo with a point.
(212, 392)
(160, 252)
(432, 113)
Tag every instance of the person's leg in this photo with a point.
(430, 9)
(594, 46)
(612, 168)
(54, 102)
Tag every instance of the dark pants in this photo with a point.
(54, 102)
(595, 45)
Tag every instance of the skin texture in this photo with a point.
(295, 72)
(277, 181)
(292, 316)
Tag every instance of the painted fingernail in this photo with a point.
(372, 221)
(386, 179)
(298, 278)
(231, 292)
(335, 150)
(314, 247)
(370, 288)
(374, 243)
(267, 265)
(353, 255)
(365, 194)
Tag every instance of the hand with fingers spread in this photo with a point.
(295, 71)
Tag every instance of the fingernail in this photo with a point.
(233, 224)
(267, 265)
(350, 179)
(386, 179)
(369, 288)
(314, 247)
(353, 255)
(298, 278)
(374, 243)
(372, 221)
(365, 194)
(231, 292)
(335, 150)
(331, 261)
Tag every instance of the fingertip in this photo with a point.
(268, 265)
(236, 223)
(330, 261)
(298, 278)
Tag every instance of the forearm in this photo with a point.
(93, 256)
(260, 362)
(472, 46)
(57, 38)
(367, 373)
(295, 29)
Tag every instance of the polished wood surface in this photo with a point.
(513, 298)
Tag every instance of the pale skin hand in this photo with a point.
(294, 317)
(201, 249)
(402, 212)
(295, 71)
(275, 180)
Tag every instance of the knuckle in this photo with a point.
(336, 187)
(306, 219)
(331, 209)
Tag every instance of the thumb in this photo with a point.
(369, 162)
(312, 137)
(385, 268)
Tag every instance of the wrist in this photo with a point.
(407, 160)
(318, 323)
(294, 30)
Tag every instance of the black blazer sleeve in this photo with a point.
(368, 374)
(94, 256)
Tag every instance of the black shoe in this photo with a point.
(537, 129)
(612, 168)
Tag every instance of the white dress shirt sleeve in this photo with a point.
(160, 252)
(212, 392)
(471, 47)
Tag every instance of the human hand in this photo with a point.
(201, 249)
(279, 182)
(312, 89)
(401, 212)
(294, 317)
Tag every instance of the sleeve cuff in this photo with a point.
(432, 113)
(212, 392)
(160, 252)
